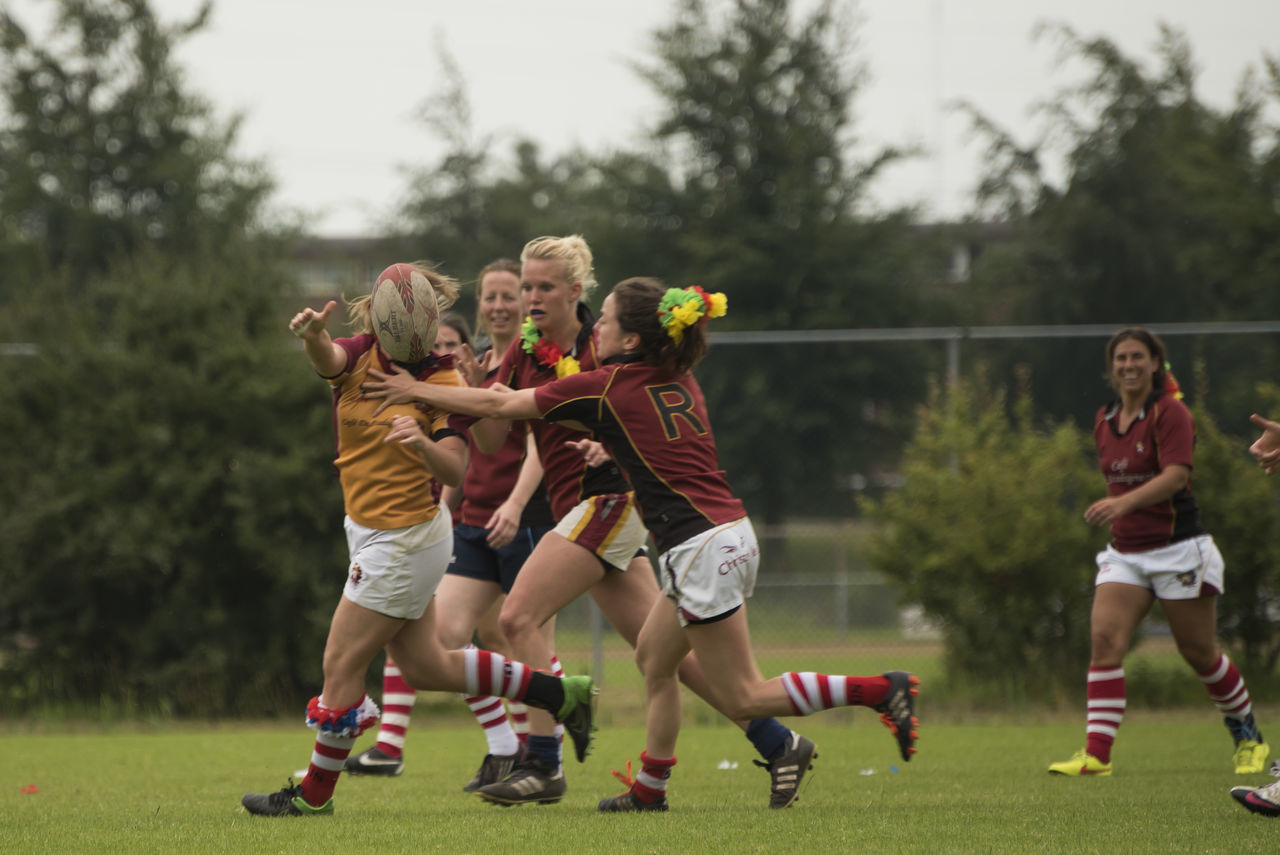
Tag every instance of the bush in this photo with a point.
(986, 535)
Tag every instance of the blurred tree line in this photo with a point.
(170, 531)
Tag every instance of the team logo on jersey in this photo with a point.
(356, 574)
(1140, 448)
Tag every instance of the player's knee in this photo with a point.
(453, 634)
(516, 623)
(1200, 656)
(1108, 649)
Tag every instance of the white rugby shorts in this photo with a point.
(1184, 570)
(711, 573)
(395, 571)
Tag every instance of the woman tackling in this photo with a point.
(645, 406)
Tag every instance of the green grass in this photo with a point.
(973, 788)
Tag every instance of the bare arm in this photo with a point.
(495, 402)
(327, 358)
(506, 519)
(490, 434)
(1160, 488)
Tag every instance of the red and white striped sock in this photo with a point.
(492, 718)
(1105, 695)
(519, 713)
(490, 674)
(651, 782)
(327, 759)
(398, 698)
(1227, 689)
(811, 692)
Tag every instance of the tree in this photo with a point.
(169, 503)
(103, 150)
(758, 114)
(746, 187)
(1167, 213)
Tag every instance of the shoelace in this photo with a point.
(625, 779)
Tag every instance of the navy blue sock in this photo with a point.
(547, 749)
(769, 736)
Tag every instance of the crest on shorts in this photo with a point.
(356, 574)
(1188, 579)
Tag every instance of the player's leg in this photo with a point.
(1193, 624)
(428, 666)
(556, 573)
(386, 756)
(339, 714)
(626, 599)
(1192, 578)
(660, 649)
(391, 577)
(1118, 607)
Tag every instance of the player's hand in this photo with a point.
(502, 526)
(464, 359)
(406, 431)
(592, 452)
(1266, 447)
(309, 323)
(392, 388)
(1106, 511)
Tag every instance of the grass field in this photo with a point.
(973, 788)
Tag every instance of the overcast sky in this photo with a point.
(329, 87)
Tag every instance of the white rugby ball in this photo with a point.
(405, 315)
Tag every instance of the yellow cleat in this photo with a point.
(1251, 757)
(1081, 764)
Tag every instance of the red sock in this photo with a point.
(651, 784)
(1106, 700)
(397, 705)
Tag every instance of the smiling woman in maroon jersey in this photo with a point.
(646, 407)
(1158, 549)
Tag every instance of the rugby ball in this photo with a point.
(404, 313)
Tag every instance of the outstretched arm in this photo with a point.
(495, 402)
(309, 325)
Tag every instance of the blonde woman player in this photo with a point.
(646, 407)
(596, 545)
(400, 541)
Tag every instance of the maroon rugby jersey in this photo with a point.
(1162, 435)
(566, 475)
(655, 425)
(490, 478)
